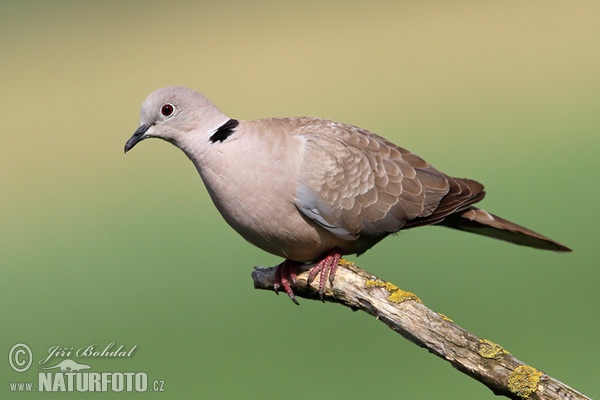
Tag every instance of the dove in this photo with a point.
(311, 190)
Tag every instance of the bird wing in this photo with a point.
(353, 182)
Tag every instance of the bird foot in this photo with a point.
(285, 273)
(327, 267)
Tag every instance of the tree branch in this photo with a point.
(404, 312)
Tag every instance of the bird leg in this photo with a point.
(285, 273)
(327, 267)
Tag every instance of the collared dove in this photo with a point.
(312, 190)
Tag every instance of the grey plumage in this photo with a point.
(301, 188)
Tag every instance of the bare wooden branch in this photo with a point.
(404, 312)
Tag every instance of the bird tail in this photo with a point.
(481, 222)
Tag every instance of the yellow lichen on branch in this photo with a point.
(479, 358)
(489, 349)
(524, 380)
(445, 317)
(397, 295)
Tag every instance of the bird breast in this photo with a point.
(252, 179)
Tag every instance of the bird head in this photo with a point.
(178, 115)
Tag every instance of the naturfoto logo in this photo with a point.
(60, 372)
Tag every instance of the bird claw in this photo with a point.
(286, 274)
(327, 267)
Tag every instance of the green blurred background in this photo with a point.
(98, 247)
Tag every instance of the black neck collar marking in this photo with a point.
(224, 131)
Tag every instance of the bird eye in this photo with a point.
(167, 110)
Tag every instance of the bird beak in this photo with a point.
(137, 136)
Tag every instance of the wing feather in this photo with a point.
(353, 182)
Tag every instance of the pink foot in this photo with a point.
(327, 267)
(285, 273)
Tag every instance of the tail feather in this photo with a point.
(481, 222)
